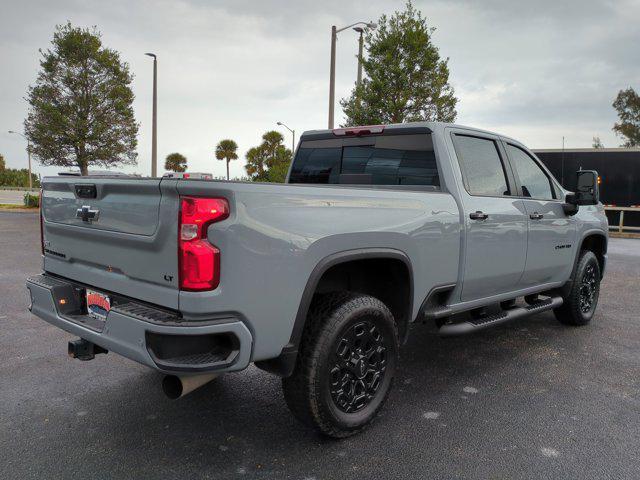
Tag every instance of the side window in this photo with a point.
(316, 165)
(535, 183)
(482, 169)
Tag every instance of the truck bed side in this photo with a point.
(277, 234)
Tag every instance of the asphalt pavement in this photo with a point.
(528, 400)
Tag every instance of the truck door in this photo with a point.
(494, 218)
(551, 233)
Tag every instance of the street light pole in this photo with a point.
(360, 30)
(154, 124)
(293, 132)
(29, 159)
(332, 67)
(332, 75)
(28, 154)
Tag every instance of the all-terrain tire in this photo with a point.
(346, 363)
(581, 300)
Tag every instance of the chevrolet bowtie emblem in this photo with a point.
(87, 215)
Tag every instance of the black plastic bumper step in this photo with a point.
(437, 313)
(146, 314)
(476, 324)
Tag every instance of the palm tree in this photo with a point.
(226, 150)
(272, 140)
(175, 162)
(256, 162)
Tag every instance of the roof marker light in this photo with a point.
(357, 131)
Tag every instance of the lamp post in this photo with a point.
(332, 67)
(28, 154)
(360, 30)
(293, 132)
(154, 124)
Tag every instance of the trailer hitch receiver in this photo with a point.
(84, 350)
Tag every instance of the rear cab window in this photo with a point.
(407, 159)
(483, 171)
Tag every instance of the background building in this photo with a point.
(618, 168)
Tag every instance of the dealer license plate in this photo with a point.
(98, 304)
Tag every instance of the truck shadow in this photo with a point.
(240, 423)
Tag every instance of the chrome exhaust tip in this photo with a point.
(175, 386)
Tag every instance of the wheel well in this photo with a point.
(381, 273)
(387, 279)
(598, 245)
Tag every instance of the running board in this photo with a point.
(476, 324)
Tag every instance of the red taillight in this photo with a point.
(199, 261)
(41, 223)
(357, 131)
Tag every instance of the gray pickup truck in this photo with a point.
(319, 280)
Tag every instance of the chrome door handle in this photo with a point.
(536, 216)
(478, 215)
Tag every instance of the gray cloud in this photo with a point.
(532, 70)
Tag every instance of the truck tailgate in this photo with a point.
(114, 234)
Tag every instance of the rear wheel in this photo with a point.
(346, 364)
(580, 302)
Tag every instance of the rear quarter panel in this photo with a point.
(277, 234)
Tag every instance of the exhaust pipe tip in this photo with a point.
(175, 387)
(172, 386)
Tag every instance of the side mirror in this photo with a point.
(587, 192)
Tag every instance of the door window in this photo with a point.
(534, 181)
(482, 169)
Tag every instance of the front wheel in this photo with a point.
(346, 364)
(581, 301)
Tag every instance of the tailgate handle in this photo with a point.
(86, 190)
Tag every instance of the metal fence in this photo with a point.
(619, 226)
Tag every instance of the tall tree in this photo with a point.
(3, 165)
(597, 143)
(256, 165)
(81, 110)
(269, 161)
(627, 103)
(176, 162)
(272, 141)
(279, 165)
(405, 78)
(226, 150)
(13, 177)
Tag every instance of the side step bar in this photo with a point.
(476, 324)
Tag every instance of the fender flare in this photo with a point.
(284, 364)
(589, 233)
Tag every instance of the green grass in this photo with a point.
(11, 206)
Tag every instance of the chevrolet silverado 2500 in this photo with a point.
(318, 280)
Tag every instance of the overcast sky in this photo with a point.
(231, 69)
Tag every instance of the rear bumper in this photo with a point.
(146, 335)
